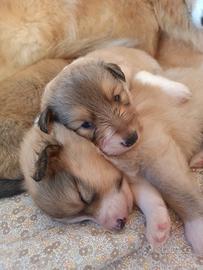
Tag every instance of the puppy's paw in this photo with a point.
(194, 235)
(180, 92)
(197, 161)
(158, 227)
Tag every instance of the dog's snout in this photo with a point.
(120, 223)
(131, 139)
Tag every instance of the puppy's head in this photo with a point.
(92, 99)
(71, 180)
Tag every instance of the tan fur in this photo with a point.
(19, 100)
(177, 54)
(37, 30)
(78, 166)
(30, 32)
(74, 186)
(163, 146)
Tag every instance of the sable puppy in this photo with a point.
(70, 180)
(29, 33)
(91, 96)
(142, 129)
(20, 98)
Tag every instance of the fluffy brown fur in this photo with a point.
(163, 146)
(19, 101)
(44, 29)
(59, 33)
(177, 54)
(70, 180)
(168, 139)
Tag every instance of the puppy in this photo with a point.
(57, 26)
(168, 139)
(20, 102)
(70, 180)
(140, 129)
(91, 96)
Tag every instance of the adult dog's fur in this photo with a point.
(91, 97)
(177, 54)
(20, 101)
(30, 31)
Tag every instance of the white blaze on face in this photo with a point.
(197, 13)
(112, 144)
(114, 206)
(174, 89)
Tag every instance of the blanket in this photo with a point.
(29, 239)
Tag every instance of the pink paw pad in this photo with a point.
(162, 226)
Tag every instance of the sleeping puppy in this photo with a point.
(140, 129)
(70, 180)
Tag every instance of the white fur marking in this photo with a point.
(171, 88)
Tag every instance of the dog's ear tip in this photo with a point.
(42, 166)
(116, 71)
(45, 118)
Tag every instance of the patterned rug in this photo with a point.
(31, 240)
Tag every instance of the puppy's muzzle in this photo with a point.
(120, 223)
(130, 140)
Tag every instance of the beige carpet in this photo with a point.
(31, 240)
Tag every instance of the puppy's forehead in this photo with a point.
(86, 83)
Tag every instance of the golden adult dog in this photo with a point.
(142, 129)
(31, 31)
(20, 102)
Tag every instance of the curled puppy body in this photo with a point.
(168, 139)
(70, 180)
(140, 129)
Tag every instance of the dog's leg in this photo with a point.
(197, 160)
(152, 205)
(169, 172)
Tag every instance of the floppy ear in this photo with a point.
(45, 119)
(46, 163)
(115, 70)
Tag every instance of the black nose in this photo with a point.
(202, 20)
(120, 223)
(131, 139)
